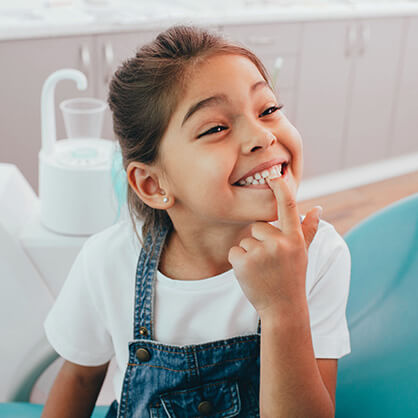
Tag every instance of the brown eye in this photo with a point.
(271, 110)
(213, 130)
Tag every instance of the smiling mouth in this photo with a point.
(259, 181)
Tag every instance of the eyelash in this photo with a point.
(276, 108)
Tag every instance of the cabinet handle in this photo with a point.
(108, 56)
(261, 40)
(278, 64)
(85, 60)
(351, 37)
(364, 36)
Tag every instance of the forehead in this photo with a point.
(220, 72)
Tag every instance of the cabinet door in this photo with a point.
(323, 88)
(25, 65)
(111, 51)
(370, 110)
(273, 43)
(405, 131)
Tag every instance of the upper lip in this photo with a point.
(263, 166)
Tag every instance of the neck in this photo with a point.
(193, 255)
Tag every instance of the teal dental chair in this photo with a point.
(379, 378)
(19, 406)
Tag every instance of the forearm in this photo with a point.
(291, 385)
(71, 397)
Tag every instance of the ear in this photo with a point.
(144, 181)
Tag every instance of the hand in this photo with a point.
(271, 264)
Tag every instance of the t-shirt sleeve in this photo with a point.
(328, 297)
(74, 326)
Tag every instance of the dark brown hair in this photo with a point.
(144, 93)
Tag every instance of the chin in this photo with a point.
(273, 217)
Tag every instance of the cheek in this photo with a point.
(298, 141)
(293, 142)
(212, 182)
(215, 168)
(210, 200)
(298, 155)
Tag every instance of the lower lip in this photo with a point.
(255, 186)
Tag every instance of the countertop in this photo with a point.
(71, 20)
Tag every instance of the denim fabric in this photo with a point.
(164, 380)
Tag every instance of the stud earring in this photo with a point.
(165, 200)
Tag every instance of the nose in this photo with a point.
(255, 136)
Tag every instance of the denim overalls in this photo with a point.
(217, 379)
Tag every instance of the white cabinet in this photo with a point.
(278, 46)
(405, 109)
(322, 94)
(349, 73)
(372, 91)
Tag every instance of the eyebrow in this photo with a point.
(218, 99)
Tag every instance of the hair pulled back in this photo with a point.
(145, 91)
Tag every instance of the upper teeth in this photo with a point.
(258, 178)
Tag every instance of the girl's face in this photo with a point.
(226, 125)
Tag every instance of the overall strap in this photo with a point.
(147, 266)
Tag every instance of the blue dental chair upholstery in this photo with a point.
(379, 378)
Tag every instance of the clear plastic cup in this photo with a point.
(83, 117)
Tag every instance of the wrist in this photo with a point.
(294, 312)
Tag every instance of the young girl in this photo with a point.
(216, 298)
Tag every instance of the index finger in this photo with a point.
(287, 212)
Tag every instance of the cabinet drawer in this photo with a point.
(271, 38)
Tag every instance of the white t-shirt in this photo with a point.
(92, 318)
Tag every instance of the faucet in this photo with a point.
(48, 127)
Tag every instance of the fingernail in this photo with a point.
(276, 171)
(320, 211)
(273, 174)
